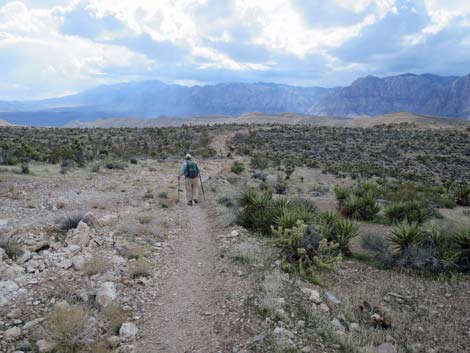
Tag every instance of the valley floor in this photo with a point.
(188, 278)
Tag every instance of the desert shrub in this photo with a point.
(133, 160)
(95, 265)
(288, 215)
(133, 252)
(24, 167)
(140, 268)
(115, 316)
(68, 328)
(462, 195)
(256, 211)
(280, 187)
(70, 222)
(334, 228)
(461, 240)
(341, 193)
(304, 260)
(238, 167)
(11, 246)
(259, 161)
(432, 250)
(378, 246)
(410, 211)
(404, 235)
(360, 204)
(116, 165)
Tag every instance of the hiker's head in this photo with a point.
(188, 156)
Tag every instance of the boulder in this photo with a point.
(24, 257)
(24, 346)
(8, 290)
(128, 331)
(79, 236)
(106, 294)
(11, 271)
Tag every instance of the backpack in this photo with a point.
(192, 170)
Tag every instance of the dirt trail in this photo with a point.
(183, 319)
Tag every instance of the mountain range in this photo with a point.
(427, 94)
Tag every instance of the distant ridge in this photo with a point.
(415, 120)
(427, 94)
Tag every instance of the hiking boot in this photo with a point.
(196, 201)
(190, 203)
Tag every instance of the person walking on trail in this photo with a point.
(190, 171)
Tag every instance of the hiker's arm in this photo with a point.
(183, 167)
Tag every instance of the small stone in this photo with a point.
(8, 290)
(312, 294)
(14, 314)
(91, 220)
(325, 308)
(24, 346)
(332, 298)
(106, 294)
(387, 348)
(128, 331)
(113, 341)
(45, 346)
(338, 325)
(13, 332)
(306, 349)
(354, 327)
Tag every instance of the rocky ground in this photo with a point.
(109, 261)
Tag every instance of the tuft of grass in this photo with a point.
(68, 328)
(96, 265)
(115, 316)
(140, 268)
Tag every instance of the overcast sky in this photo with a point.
(56, 47)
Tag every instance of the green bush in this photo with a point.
(259, 161)
(462, 246)
(462, 195)
(410, 211)
(238, 167)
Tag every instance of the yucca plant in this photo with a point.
(326, 221)
(462, 244)
(462, 195)
(345, 231)
(342, 193)
(404, 234)
(256, 211)
(288, 216)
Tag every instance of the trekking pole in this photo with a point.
(202, 187)
(178, 188)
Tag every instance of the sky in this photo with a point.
(57, 47)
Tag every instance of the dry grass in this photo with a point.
(97, 264)
(115, 316)
(134, 252)
(140, 268)
(67, 327)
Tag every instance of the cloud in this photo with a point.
(52, 47)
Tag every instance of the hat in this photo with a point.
(188, 156)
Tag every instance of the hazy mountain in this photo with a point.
(368, 96)
(154, 98)
(422, 94)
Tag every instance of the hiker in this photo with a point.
(190, 170)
